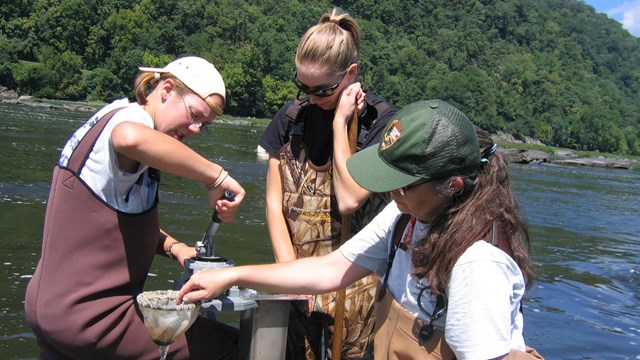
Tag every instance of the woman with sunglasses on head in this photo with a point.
(452, 247)
(308, 186)
(102, 229)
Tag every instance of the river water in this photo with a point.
(584, 223)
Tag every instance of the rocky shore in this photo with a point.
(10, 97)
(521, 156)
(564, 157)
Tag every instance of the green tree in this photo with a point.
(66, 73)
(276, 94)
(102, 85)
(33, 79)
(245, 90)
(64, 24)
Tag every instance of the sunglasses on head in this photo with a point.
(321, 92)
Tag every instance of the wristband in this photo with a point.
(219, 180)
(169, 254)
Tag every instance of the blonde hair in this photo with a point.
(334, 42)
(147, 81)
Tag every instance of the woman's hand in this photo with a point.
(351, 100)
(182, 252)
(226, 209)
(203, 285)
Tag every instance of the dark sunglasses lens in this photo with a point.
(323, 93)
(303, 88)
(326, 92)
(319, 93)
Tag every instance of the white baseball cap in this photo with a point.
(196, 73)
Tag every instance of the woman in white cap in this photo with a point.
(452, 247)
(101, 227)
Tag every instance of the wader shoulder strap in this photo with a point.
(369, 116)
(293, 111)
(401, 224)
(381, 106)
(294, 115)
(81, 152)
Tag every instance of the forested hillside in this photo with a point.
(549, 69)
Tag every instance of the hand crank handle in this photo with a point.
(206, 246)
(228, 195)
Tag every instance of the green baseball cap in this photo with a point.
(427, 139)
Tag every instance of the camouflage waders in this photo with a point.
(314, 224)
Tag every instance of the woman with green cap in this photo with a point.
(452, 247)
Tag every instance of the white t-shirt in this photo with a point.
(483, 320)
(121, 190)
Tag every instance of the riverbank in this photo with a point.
(10, 97)
(565, 157)
(527, 151)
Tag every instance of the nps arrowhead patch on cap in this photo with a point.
(391, 135)
(428, 139)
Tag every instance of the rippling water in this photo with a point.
(585, 227)
(584, 222)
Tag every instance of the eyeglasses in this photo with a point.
(322, 92)
(193, 118)
(404, 189)
(426, 331)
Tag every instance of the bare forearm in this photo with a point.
(136, 143)
(175, 249)
(305, 276)
(349, 194)
(279, 234)
(276, 223)
(162, 152)
(314, 275)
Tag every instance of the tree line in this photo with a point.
(553, 70)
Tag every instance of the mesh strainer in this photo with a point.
(165, 320)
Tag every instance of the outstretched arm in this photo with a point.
(313, 275)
